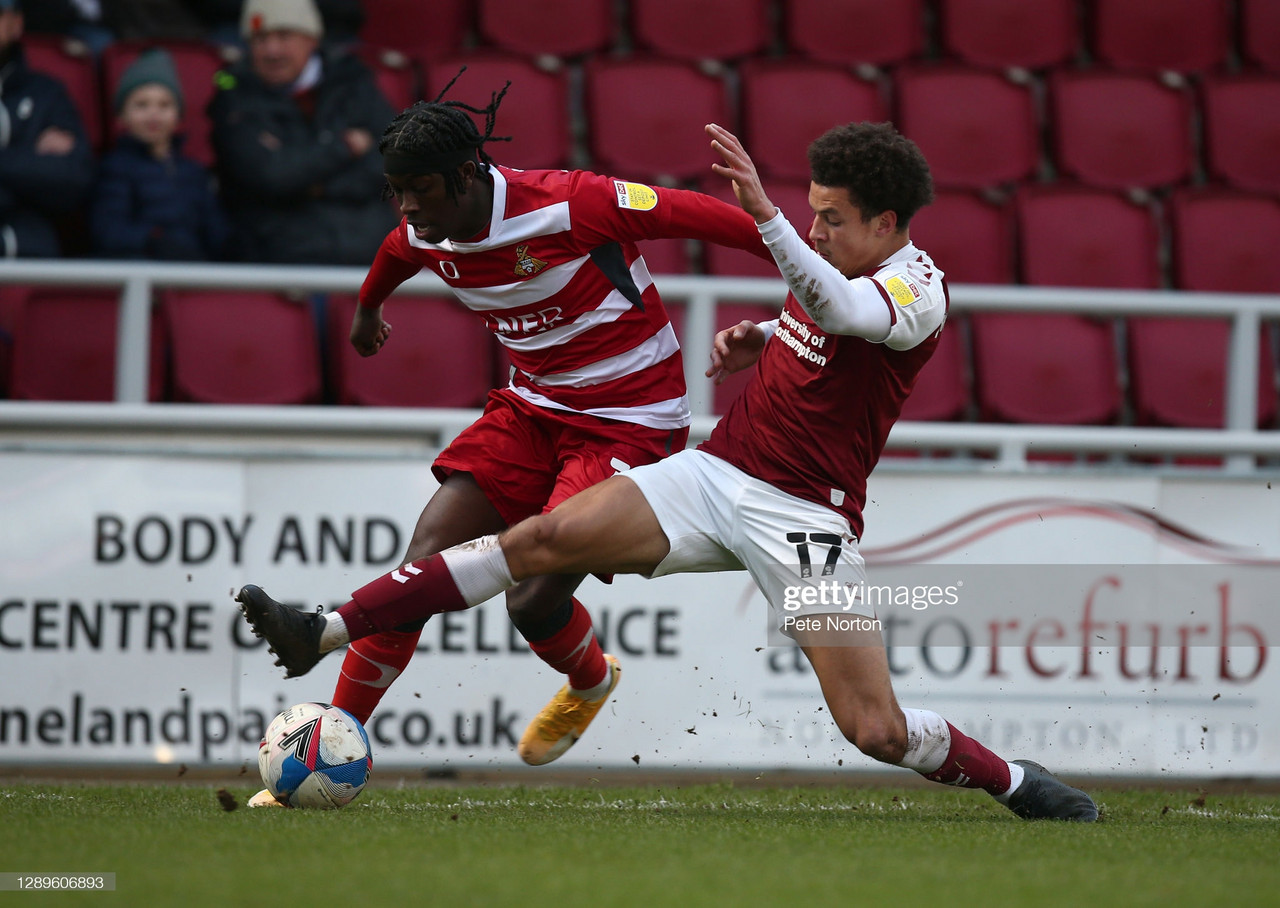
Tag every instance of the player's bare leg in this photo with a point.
(857, 686)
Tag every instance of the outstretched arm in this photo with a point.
(735, 349)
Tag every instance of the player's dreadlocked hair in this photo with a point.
(438, 137)
(882, 169)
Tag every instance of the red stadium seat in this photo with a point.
(242, 347)
(709, 29)
(564, 28)
(1178, 372)
(70, 63)
(421, 30)
(792, 198)
(1225, 241)
(786, 105)
(1073, 237)
(1120, 131)
(394, 72)
(1045, 368)
(64, 346)
(941, 392)
(439, 355)
(1151, 35)
(1242, 131)
(634, 132)
(967, 236)
(855, 31)
(534, 113)
(1260, 34)
(1011, 32)
(196, 64)
(976, 128)
(667, 256)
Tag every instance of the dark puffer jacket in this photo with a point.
(37, 188)
(144, 207)
(289, 182)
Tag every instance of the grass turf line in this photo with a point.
(669, 846)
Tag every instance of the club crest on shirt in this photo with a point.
(526, 264)
(903, 291)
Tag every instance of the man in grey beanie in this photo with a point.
(294, 128)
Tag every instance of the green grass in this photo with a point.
(661, 846)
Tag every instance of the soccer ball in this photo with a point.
(315, 755)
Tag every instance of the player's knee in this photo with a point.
(878, 737)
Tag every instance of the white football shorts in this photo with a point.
(803, 556)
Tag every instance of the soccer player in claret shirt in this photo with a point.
(787, 464)
(548, 259)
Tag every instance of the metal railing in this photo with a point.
(138, 282)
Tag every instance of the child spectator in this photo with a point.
(151, 200)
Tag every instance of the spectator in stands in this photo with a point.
(46, 164)
(295, 131)
(151, 201)
(84, 20)
(342, 19)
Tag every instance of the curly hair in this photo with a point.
(882, 169)
(441, 131)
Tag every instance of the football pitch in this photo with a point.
(666, 845)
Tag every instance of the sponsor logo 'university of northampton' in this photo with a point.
(526, 264)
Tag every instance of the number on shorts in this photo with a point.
(802, 541)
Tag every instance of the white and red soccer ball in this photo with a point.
(315, 755)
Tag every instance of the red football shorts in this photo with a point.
(527, 459)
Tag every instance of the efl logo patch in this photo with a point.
(902, 290)
(527, 265)
(636, 196)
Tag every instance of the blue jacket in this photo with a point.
(37, 188)
(148, 208)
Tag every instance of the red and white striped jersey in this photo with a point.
(558, 279)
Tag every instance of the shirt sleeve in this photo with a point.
(838, 305)
(391, 267)
(606, 209)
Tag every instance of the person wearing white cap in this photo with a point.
(294, 129)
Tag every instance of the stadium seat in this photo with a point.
(967, 236)
(563, 28)
(1045, 368)
(1178, 372)
(634, 132)
(1005, 33)
(709, 29)
(1225, 241)
(1074, 237)
(12, 297)
(423, 31)
(976, 128)
(1120, 131)
(942, 390)
(196, 64)
(852, 32)
(64, 346)
(1242, 131)
(1189, 36)
(69, 61)
(666, 256)
(792, 198)
(786, 105)
(394, 72)
(1260, 34)
(242, 347)
(534, 113)
(439, 355)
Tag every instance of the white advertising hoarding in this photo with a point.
(120, 642)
